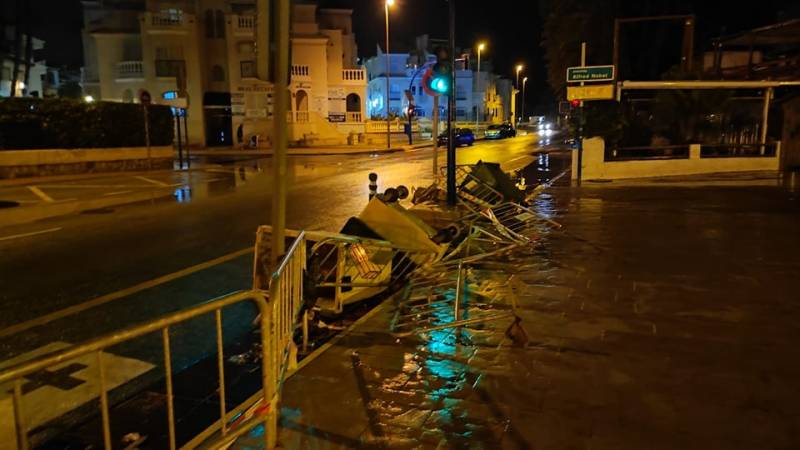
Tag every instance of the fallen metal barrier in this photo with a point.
(438, 302)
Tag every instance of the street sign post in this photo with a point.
(590, 74)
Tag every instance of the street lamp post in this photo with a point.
(388, 68)
(524, 82)
(481, 46)
(519, 69)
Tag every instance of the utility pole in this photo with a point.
(435, 135)
(580, 120)
(451, 109)
(280, 138)
(386, 5)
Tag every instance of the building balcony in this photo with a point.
(354, 76)
(299, 71)
(244, 25)
(130, 70)
(298, 117)
(353, 117)
(162, 22)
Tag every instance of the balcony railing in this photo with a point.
(169, 67)
(298, 117)
(244, 24)
(166, 19)
(354, 75)
(300, 71)
(353, 117)
(127, 70)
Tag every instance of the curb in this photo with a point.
(23, 215)
(267, 154)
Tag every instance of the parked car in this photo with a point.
(500, 131)
(464, 136)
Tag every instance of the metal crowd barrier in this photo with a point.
(277, 321)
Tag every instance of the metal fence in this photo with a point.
(647, 153)
(278, 317)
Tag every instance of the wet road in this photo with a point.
(103, 253)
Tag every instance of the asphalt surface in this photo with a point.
(99, 253)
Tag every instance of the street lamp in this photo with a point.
(88, 99)
(519, 69)
(388, 67)
(481, 46)
(524, 82)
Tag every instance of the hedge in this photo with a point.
(31, 123)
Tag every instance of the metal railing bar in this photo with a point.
(19, 416)
(221, 371)
(104, 402)
(168, 378)
(300, 238)
(126, 334)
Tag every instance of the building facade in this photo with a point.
(479, 95)
(30, 85)
(203, 55)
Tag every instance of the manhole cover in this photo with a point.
(98, 211)
(8, 204)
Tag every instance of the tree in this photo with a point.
(567, 24)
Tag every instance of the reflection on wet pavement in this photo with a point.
(663, 317)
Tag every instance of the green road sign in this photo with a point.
(590, 73)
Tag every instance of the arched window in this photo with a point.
(353, 103)
(301, 101)
(220, 21)
(209, 23)
(217, 74)
(127, 96)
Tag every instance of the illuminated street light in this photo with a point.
(388, 68)
(519, 69)
(481, 46)
(524, 82)
(88, 99)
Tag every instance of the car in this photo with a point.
(464, 136)
(500, 131)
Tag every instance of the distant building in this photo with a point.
(30, 86)
(477, 95)
(206, 52)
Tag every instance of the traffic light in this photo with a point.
(575, 103)
(437, 79)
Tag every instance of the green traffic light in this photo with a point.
(439, 84)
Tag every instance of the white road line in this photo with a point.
(517, 158)
(150, 180)
(103, 299)
(33, 233)
(39, 193)
(108, 194)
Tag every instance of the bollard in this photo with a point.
(373, 184)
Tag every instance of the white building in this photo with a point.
(33, 85)
(207, 52)
(474, 94)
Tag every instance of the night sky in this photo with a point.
(511, 30)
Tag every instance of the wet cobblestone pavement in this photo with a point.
(663, 316)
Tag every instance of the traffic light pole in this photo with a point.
(451, 109)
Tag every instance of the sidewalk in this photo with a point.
(309, 151)
(662, 317)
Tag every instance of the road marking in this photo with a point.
(66, 386)
(40, 193)
(33, 233)
(103, 299)
(150, 180)
(115, 193)
(517, 158)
